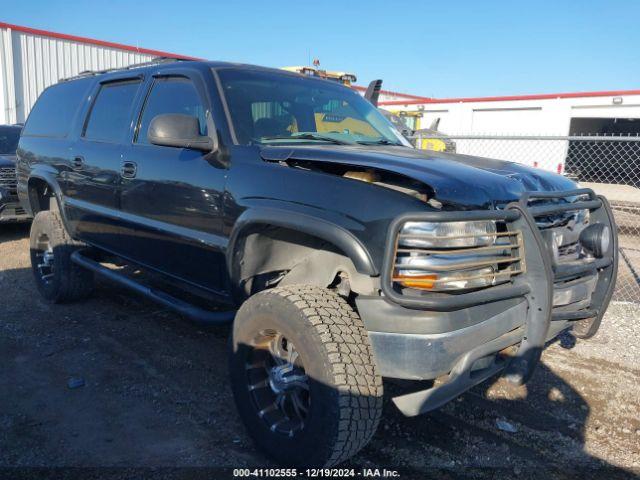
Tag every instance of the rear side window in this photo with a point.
(53, 113)
(171, 95)
(110, 115)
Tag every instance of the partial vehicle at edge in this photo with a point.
(10, 208)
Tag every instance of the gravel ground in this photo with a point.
(155, 394)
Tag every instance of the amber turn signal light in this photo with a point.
(425, 282)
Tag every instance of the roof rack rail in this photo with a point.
(150, 63)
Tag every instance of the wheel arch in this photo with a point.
(43, 193)
(305, 246)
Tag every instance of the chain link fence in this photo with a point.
(610, 165)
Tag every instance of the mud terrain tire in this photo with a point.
(344, 387)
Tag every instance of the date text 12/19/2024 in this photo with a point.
(315, 473)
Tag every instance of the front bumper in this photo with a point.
(462, 335)
(418, 344)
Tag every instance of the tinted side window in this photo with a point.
(53, 113)
(110, 114)
(171, 95)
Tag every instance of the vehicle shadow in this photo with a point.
(497, 430)
(14, 231)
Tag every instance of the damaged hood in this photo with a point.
(462, 181)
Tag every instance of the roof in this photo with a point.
(92, 41)
(160, 64)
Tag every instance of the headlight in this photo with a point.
(447, 234)
(421, 277)
(443, 256)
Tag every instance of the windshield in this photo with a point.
(9, 137)
(272, 108)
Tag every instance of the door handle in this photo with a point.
(129, 170)
(77, 163)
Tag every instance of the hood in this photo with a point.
(7, 160)
(461, 181)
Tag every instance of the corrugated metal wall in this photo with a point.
(29, 63)
(7, 84)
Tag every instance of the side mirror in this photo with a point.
(178, 130)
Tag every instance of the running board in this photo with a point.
(185, 309)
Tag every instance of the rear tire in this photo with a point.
(57, 278)
(317, 336)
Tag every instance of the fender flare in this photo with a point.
(335, 234)
(49, 177)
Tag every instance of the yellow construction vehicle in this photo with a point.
(422, 138)
(334, 122)
(407, 122)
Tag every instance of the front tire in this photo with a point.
(57, 278)
(303, 376)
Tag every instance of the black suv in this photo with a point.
(10, 208)
(341, 254)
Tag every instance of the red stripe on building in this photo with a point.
(92, 41)
(544, 96)
(395, 94)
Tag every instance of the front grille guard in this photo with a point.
(535, 284)
(443, 301)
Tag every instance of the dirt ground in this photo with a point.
(155, 395)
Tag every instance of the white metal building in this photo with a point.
(547, 114)
(31, 60)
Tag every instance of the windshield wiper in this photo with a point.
(307, 136)
(382, 141)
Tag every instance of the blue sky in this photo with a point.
(442, 49)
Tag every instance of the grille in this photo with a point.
(564, 230)
(8, 180)
(442, 267)
(571, 251)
